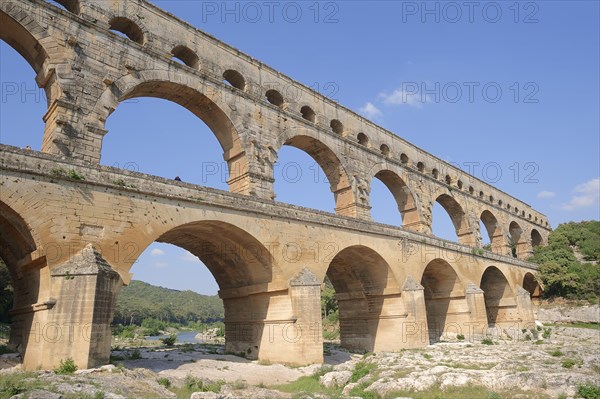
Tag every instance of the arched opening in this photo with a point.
(435, 173)
(458, 218)
(328, 170)
(186, 56)
(235, 79)
(403, 199)
(448, 179)
(274, 97)
(366, 290)
(536, 238)
(308, 114)
(70, 5)
(337, 127)
(240, 265)
(515, 239)
(23, 102)
(20, 284)
(300, 180)
(531, 285)
(191, 156)
(499, 299)
(404, 158)
(126, 27)
(420, 166)
(491, 232)
(363, 139)
(444, 299)
(385, 150)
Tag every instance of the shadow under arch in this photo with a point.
(517, 242)
(458, 217)
(405, 199)
(494, 231)
(500, 303)
(18, 249)
(444, 297)
(337, 175)
(157, 84)
(366, 291)
(244, 270)
(531, 285)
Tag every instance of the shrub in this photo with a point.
(588, 391)
(165, 382)
(556, 353)
(66, 366)
(493, 395)
(460, 337)
(487, 341)
(170, 340)
(568, 363)
(135, 355)
(361, 369)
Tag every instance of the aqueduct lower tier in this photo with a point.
(70, 232)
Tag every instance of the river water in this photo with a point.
(182, 337)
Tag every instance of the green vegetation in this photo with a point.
(140, 301)
(556, 353)
(568, 363)
(487, 341)
(592, 326)
(170, 340)
(362, 369)
(561, 272)
(66, 366)
(588, 391)
(6, 293)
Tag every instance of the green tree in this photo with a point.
(569, 263)
(6, 293)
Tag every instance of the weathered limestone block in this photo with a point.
(78, 326)
(478, 322)
(414, 333)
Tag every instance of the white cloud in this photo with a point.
(404, 97)
(161, 265)
(587, 194)
(157, 252)
(370, 111)
(546, 194)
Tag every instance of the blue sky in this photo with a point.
(501, 84)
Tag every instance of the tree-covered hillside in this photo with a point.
(139, 301)
(569, 265)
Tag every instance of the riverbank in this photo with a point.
(535, 368)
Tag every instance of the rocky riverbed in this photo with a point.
(562, 365)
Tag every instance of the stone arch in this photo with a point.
(308, 113)
(411, 217)
(72, 6)
(494, 231)
(444, 295)
(129, 28)
(366, 289)
(186, 55)
(458, 217)
(242, 267)
(161, 84)
(536, 238)
(18, 249)
(531, 285)
(336, 172)
(517, 242)
(499, 298)
(235, 79)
